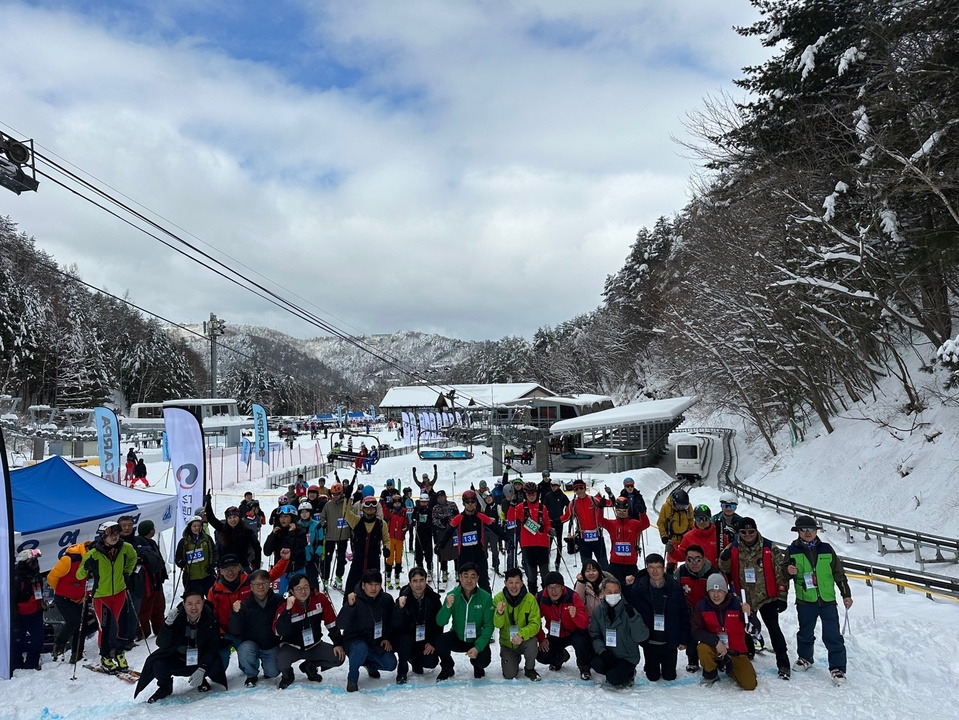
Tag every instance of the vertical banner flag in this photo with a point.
(108, 443)
(261, 439)
(339, 416)
(188, 459)
(372, 413)
(165, 444)
(7, 581)
(246, 451)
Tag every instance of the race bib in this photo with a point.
(470, 538)
(809, 580)
(554, 628)
(420, 633)
(341, 523)
(623, 548)
(610, 638)
(422, 518)
(195, 556)
(750, 574)
(469, 632)
(510, 524)
(192, 656)
(659, 622)
(307, 634)
(531, 526)
(590, 535)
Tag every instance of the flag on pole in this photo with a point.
(7, 581)
(108, 443)
(187, 456)
(261, 439)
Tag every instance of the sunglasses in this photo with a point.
(747, 532)
(469, 502)
(694, 559)
(808, 529)
(730, 506)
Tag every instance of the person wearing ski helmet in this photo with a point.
(675, 520)
(275, 514)
(727, 520)
(398, 522)
(338, 533)
(535, 533)
(288, 535)
(386, 494)
(28, 595)
(109, 562)
(757, 567)
(371, 538)
(585, 512)
(314, 541)
(817, 572)
(625, 538)
(703, 534)
(316, 500)
(467, 533)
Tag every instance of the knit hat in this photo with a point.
(553, 578)
(145, 528)
(716, 582)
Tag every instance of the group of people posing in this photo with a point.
(708, 595)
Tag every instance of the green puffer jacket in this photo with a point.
(196, 556)
(109, 567)
(478, 610)
(522, 613)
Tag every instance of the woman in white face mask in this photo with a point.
(616, 630)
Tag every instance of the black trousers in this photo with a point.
(770, 618)
(165, 668)
(536, 566)
(659, 661)
(410, 652)
(618, 673)
(448, 643)
(337, 548)
(582, 646)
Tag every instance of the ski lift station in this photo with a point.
(630, 436)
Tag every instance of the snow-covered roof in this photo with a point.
(632, 414)
(496, 394)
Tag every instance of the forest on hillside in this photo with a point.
(820, 243)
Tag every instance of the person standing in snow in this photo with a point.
(675, 520)
(817, 572)
(28, 638)
(692, 576)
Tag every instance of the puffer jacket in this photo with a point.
(588, 594)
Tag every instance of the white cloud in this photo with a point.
(485, 174)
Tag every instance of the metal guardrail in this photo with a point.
(882, 532)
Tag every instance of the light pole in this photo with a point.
(213, 328)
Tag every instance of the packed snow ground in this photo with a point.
(902, 655)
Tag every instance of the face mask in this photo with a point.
(612, 599)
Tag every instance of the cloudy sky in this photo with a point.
(473, 168)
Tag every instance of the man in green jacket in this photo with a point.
(108, 563)
(471, 609)
(517, 617)
(817, 571)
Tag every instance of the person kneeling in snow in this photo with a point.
(188, 646)
(719, 625)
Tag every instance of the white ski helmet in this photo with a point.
(729, 497)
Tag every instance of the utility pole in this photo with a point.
(213, 328)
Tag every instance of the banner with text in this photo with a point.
(188, 460)
(108, 443)
(261, 435)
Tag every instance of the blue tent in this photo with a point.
(56, 504)
(51, 494)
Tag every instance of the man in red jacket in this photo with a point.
(587, 512)
(535, 533)
(566, 623)
(625, 536)
(703, 533)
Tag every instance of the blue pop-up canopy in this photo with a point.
(53, 494)
(56, 504)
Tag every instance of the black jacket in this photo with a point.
(255, 623)
(669, 601)
(292, 537)
(418, 612)
(357, 621)
(173, 640)
(239, 540)
(556, 504)
(154, 566)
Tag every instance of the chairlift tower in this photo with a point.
(212, 328)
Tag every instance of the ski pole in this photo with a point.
(80, 639)
(139, 623)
